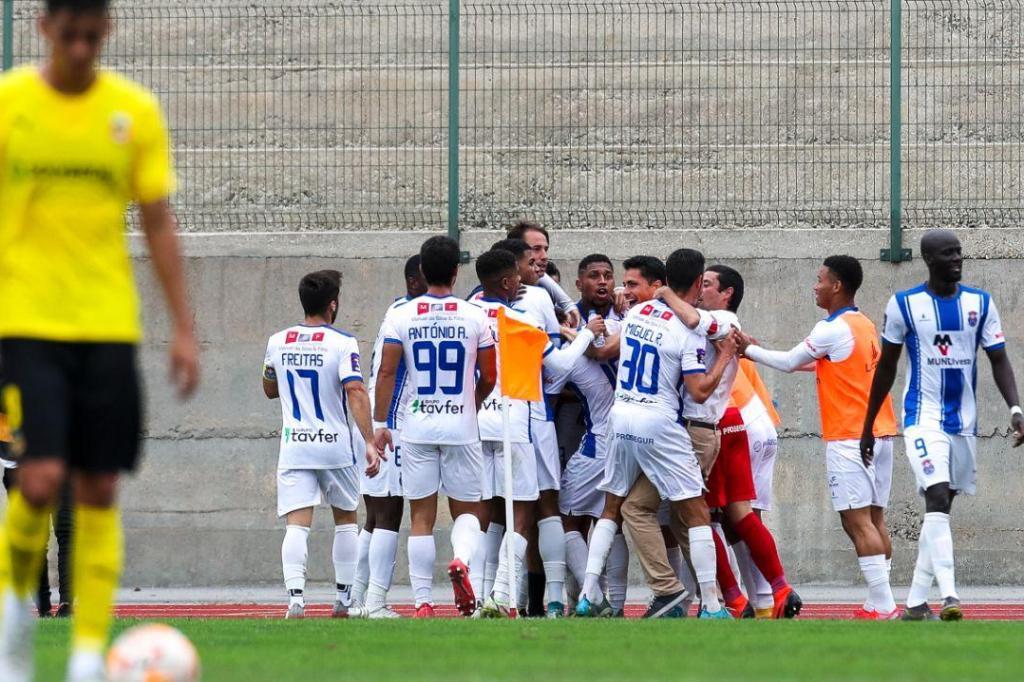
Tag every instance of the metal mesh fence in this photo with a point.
(316, 115)
(963, 99)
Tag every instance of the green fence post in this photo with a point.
(8, 30)
(453, 123)
(896, 253)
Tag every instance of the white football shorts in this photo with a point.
(620, 469)
(939, 457)
(852, 485)
(456, 471)
(579, 494)
(388, 482)
(524, 471)
(302, 488)
(662, 449)
(763, 442)
(545, 447)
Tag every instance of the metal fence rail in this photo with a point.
(331, 116)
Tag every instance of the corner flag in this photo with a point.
(521, 353)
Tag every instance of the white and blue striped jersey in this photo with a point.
(593, 383)
(400, 399)
(942, 336)
(311, 365)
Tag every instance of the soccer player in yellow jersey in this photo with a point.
(77, 145)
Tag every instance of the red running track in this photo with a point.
(997, 611)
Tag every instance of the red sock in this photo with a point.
(762, 550)
(726, 579)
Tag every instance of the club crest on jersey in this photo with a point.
(319, 336)
(928, 467)
(943, 342)
(972, 318)
(647, 310)
(291, 337)
(121, 127)
(422, 308)
(355, 362)
(701, 353)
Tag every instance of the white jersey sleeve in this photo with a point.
(894, 327)
(992, 332)
(830, 338)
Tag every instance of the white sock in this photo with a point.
(702, 554)
(465, 537)
(765, 598)
(940, 545)
(362, 578)
(383, 550)
(734, 564)
(523, 590)
(492, 550)
(501, 583)
(551, 545)
(294, 552)
(576, 555)
(921, 584)
(875, 575)
(344, 553)
(422, 554)
(478, 565)
(618, 572)
(601, 540)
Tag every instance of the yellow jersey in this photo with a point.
(69, 167)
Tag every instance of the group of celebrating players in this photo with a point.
(679, 440)
(678, 445)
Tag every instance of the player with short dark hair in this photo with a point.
(534, 234)
(382, 494)
(314, 369)
(942, 322)
(449, 352)
(842, 350)
(85, 142)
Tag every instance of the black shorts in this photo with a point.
(79, 402)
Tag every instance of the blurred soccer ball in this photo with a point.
(152, 653)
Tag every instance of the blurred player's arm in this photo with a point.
(885, 376)
(560, 361)
(390, 357)
(486, 363)
(160, 228)
(994, 343)
(1002, 372)
(270, 383)
(701, 385)
(270, 372)
(798, 359)
(359, 402)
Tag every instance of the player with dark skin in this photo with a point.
(943, 255)
(386, 512)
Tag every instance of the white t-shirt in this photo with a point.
(712, 409)
(942, 336)
(400, 398)
(440, 337)
(655, 351)
(311, 365)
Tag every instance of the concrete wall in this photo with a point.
(202, 509)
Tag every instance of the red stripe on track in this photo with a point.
(817, 611)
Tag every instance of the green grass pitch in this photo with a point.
(591, 650)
